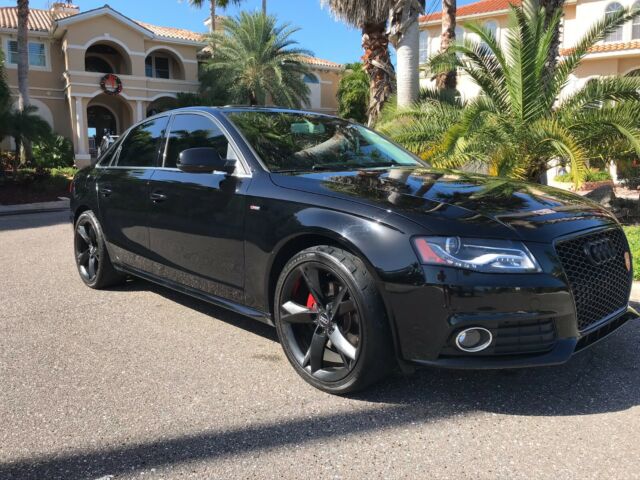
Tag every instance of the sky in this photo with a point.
(319, 32)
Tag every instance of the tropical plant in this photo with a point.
(353, 93)
(371, 17)
(23, 65)
(552, 9)
(5, 101)
(27, 126)
(53, 151)
(446, 80)
(404, 35)
(517, 125)
(212, 8)
(259, 60)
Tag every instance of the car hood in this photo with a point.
(460, 203)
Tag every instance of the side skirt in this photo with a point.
(218, 301)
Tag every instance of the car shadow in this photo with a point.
(602, 379)
(34, 220)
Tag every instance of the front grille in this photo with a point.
(600, 288)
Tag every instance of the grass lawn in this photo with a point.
(633, 235)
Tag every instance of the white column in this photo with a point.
(81, 129)
(139, 109)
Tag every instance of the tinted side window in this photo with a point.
(140, 148)
(191, 131)
(106, 158)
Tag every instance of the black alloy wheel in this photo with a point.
(329, 319)
(92, 258)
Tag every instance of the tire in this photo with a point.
(90, 252)
(350, 308)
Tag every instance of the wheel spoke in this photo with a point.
(92, 235)
(345, 307)
(342, 344)
(83, 257)
(296, 313)
(316, 351)
(335, 304)
(91, 267)
(311, 277)
(82, 231)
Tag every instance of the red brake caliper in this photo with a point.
(311, 302)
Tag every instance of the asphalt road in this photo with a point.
(140, 382)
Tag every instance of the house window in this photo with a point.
(36, 52)
(616, 35)
(311, 78)
(424, 46)
(459, 34)
(156, 67)
(635, 26)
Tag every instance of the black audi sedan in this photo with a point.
(362, 256)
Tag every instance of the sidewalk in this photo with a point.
(57, 206)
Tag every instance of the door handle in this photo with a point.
(158, 197)
(106, 191)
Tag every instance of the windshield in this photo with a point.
(291, 142)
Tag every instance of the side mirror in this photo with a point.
(204, 160)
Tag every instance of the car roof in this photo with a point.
(245, 108)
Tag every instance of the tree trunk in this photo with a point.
(447, 80)
(212, 13)
(377, 64)
(404, 33)
(264, 7)
(550, 8)
(23, 67)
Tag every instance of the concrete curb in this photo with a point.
(41, 207)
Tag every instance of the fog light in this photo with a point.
(473, 339)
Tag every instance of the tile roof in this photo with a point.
(477, 8)
(608, 47)
(40, 21)
(319, 62)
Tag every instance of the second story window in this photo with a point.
(424, 47)
(157, 66)
(635, 26)
(37, 54)
(616, 35)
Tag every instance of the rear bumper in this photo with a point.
(536, 311)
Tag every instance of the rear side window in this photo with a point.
(142, 145)
(192, 131)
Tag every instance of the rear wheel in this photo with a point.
(92, 258)
(331, 321)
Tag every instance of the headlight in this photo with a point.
(501, 256)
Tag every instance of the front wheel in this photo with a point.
(331, 320)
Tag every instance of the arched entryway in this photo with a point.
(101, 122)
(106, 115)
(160, 105)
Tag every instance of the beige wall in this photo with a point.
(578, 18)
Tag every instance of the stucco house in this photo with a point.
(98, 71)
(618, 54)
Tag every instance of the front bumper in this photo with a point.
(536, 310)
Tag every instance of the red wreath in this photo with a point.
(111, 84)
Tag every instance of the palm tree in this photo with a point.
(353, 93)
(26, 126)
(212, 7)
(264, 7)
(517, 124)
(23, 64)
(404, 34)
(259, 59)
(552, 9)
(371, 17)
(447, 80)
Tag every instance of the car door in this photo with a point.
(196, 224)
(123, 192)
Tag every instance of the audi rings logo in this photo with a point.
(600, 251)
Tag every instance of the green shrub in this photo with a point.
(590, 176)
(629, 174)
(53, 151)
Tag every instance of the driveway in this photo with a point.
(141, 382)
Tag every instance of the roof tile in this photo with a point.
(477, 8)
